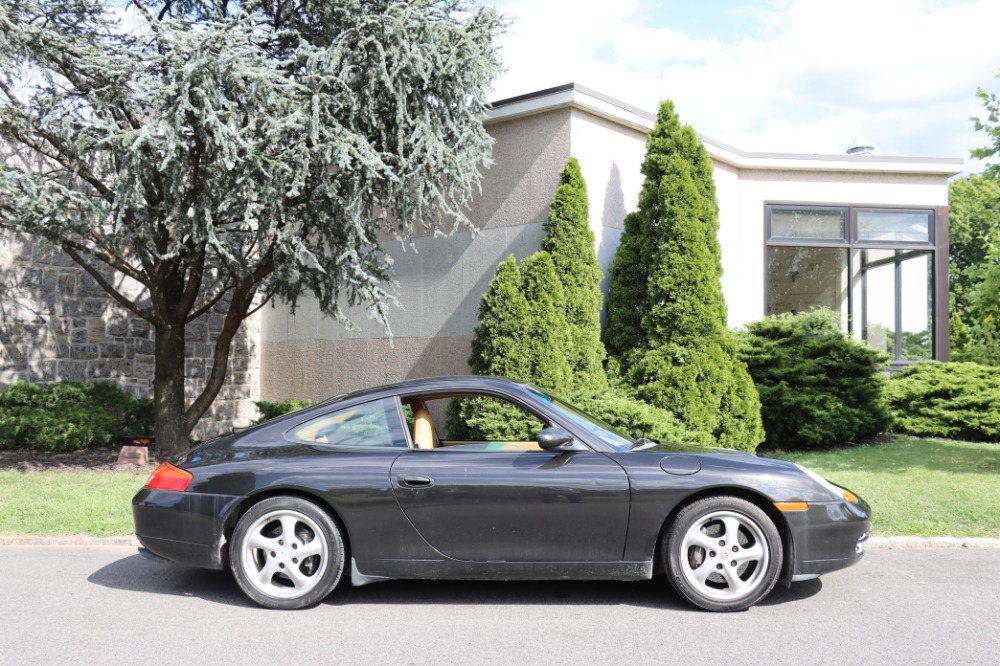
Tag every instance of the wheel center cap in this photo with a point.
(725, 555)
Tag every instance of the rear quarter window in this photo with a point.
(370, 424)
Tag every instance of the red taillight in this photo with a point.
(169, 477)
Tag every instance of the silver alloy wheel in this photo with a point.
(724, 556)
(284, 554)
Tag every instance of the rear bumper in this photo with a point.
(828, 536)
(182, 527)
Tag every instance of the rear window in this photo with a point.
(370, 424)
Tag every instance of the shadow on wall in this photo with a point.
(612, 224)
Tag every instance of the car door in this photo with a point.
(515, 506)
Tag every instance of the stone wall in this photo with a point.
(58, 324)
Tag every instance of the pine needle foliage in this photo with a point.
(569, 240)
(953, 400)
(667, 319)
(219, 153)
(817, 386)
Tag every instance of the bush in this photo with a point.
(270, 410)
(638, 419)
(667, 320)
(954, 400)
(817, 386)
(70, 416)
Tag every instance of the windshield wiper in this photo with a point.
(643, 443)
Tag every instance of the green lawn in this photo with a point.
(920, 487)
(58, 502)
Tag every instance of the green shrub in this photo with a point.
(954, 400)
(70, 416)
(817, 386)
(667, 319)
(270, 410)
(638, 419)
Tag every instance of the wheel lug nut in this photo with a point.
(282, 565)
(294, 546)
(736, 549)
(722, 542)
(733, 563)
(719, 565)
(295, 560)
(273, 554)
(281, 542)
(711, 553)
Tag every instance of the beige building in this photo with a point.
(863, 234)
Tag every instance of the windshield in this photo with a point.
(608, 434)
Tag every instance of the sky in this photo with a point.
(804, 76)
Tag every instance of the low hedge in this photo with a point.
(70, 415)
(817, 386)
(953, 400)
(269, 410)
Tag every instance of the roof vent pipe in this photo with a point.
(861, 146)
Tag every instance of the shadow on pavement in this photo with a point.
(137, 574)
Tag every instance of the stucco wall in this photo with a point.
(441, 281)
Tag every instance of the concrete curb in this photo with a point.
(73, 540)
(875, 543)
(912, 542)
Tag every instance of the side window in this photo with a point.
(471, 422)
(373, 424)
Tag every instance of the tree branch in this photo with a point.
(107, 286)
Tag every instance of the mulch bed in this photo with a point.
(86, 460)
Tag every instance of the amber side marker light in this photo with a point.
(169, 477)
(791, 506)
(850, 497)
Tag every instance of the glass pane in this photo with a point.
(875, 299)
(805, 278)
(894, 302)
(916, 305)
(369, 424)
(803, 223)
(894, 226)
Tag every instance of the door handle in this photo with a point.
(409, 481)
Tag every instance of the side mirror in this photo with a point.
(555, 439)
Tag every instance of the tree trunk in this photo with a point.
(172, 435)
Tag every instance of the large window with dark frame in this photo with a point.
(875, 266)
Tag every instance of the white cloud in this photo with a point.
(801, 76)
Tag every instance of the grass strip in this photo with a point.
(918, 486)
(60, 502)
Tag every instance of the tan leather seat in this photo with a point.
(423, 427)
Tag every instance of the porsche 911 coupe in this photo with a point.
(403, 481)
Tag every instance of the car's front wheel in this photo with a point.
(286, 553)
(722, 553)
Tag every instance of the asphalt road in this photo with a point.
(106, 605)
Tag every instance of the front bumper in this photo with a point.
(828, 536)
(183, 527)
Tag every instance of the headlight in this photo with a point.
(836, 491)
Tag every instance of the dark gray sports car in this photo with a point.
(373, 484)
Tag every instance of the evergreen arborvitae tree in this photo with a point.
(523, 336)
(666, 314)
(570, 242)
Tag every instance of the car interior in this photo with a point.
(437, 422)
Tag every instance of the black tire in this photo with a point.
(705, 567)
(269, 566)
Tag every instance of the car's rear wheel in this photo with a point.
(722, 553)
(286, 553)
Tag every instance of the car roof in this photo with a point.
(456, 382)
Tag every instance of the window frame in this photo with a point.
(936, 245)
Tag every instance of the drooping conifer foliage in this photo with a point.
(570, 242)
(220, 153)
(667, 325)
